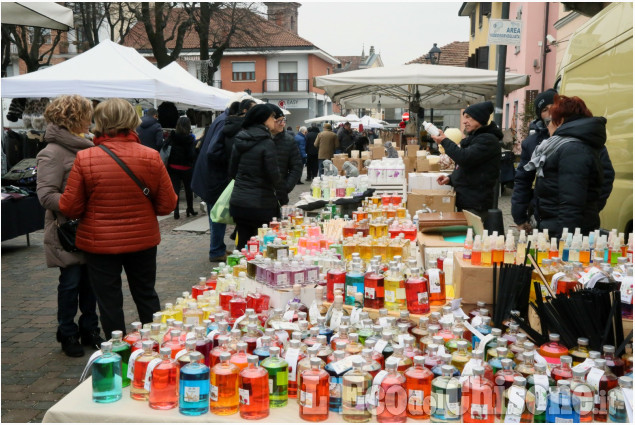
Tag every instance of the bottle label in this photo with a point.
(540, 389)
(253, 248)
(401, 294)
(626, 290)
(288, 315)
(339, 286)
(351, 290)
(479, 411)
(355, 315)
(190, 335)
(435, 281)
(148, 378)
(512, 419)
(380, 345)
(312, 275)
(244, 396)
(306, 399)
(336, 318)
(422, 297)
(369, 293)
(563, 420)
(180, 353)
(389, 296)
(594, 377)
(270, 385)
(283, 336)
(415, 397)
(91, 360)
(281, 279)
(191, 394)
(131, 362)
(298, 277)
(314, 313)
(191, 320)
(213, 393)
(291, 357)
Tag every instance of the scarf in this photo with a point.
(544, 150)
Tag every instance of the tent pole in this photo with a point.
(155, 103)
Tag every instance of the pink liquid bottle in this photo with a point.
(199, 288)
(417, 295)
(237, 305)
(335, 280)
(174, 343)
(226, 296)
(203, 345)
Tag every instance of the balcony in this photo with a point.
(286, 85)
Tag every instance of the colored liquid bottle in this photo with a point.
(223, 393)
(584, 393)
(553, 350)
(417, 294)
(516, 406)
(563, 371)
(293, 356)
(539, 384)
(354, 283)
(602, 380)
(139, 361)
(335, 280)
(335, 370)
(106, 372)
(478, 398)
(254, 390)
(278, 371)
(445, 404)
(163, 393)
(194, 384)
(355, 385)
(562, 407)
(123, 349)
(618, 412)
(133, 336)
(436, 284)
(393, 395)
(418, 388)
(198, 289)
(314, 393)
(615, 364)
(394, 290)
(486, 252)
(374, 289)
(581, 352)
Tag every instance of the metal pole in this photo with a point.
(501, 51)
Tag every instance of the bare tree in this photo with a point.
(89, 17)
(163, 23)
(222, 24)
(30, 42)
(121, 19)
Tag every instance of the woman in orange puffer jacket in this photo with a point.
(118, 227)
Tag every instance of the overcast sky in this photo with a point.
(400, 31)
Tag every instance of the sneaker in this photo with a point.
(92, 339)
(221, 259)
(71, 346)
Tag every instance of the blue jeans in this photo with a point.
(217, 245)
(320, 167)
(74, 290)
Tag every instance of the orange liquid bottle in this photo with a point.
(223, 393)
(476, 251)
(254, 390)
(436, 283)
(314, 392)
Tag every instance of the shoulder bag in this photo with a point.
(144, 188)
(165, 151)
(66, 233)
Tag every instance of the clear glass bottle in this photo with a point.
(445, 403)
(314, 392)
(461, 356)
(278, 370)
(393, 398)
(293, 355)
(478, 398)
(417, 293)
(394, 290)
(123, 349)
(418, 388)
(194, 387)
(163, 393)
(106, 372)
(505, 377)
(253, 390)
(603, 381)
(581, 352)
(615, 364)
(355, 385)
(224, 396)
(584, 393)
(517, 406)
(526, 367)
(617, 403)
(138, 370)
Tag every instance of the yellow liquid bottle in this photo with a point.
(380, 247)
(394, 290)
(366, 248)
(486, 253)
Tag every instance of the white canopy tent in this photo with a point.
(333, 117)
(107, 70)
(36, 14)
(368, 122)
(438, 86)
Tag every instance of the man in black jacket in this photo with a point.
(523, 203)
(150, 131)
(311, 154)
(289, 159)
(477, 160)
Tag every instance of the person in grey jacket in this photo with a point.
(68, 120)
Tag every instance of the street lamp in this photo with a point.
(434, 55)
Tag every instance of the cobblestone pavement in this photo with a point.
(35, 373)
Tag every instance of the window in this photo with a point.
(243, 71)
(44, 32)
(288, 76)
(482, 57)
(515, 123)
(507, 115)
(473, 23)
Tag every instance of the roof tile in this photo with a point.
(453, 54)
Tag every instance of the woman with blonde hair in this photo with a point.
(68, 119)
(118, 227)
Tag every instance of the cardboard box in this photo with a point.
(341, 155)
(425, 181)
(377, 152)
(366, 155)
(432, 246)
(472, 283)
(411, 150)
(422, 164)
(410, 163)
(437, 200)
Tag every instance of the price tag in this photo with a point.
(379, 378)
(180, 353)
(213, 393)
(479, 411)
(455, 304)
(594, 377)
(355, 315)
(212, 334)
(482, 343)
(626, 290)
(435, 281)
(541, 390)
(369, 293)
(259, 342)
(283, 336)
(460, 314)
(383, 321)
(131, 362)
(401, 293)
(422, 297)
(314, 313)
(584, 366)
(539, 359)
(469, 367)
(516, 403)
(441, 350)
(244, 396)
(288, 316)
(628, 401)
(586, 277)
(91, 360)
(336, 318)
(291, 357)
(389, 296)
(477, 321)
(554, 280)
(380, 345)
(190, 335)
(148, 378)
(318, 345)
(237, 322)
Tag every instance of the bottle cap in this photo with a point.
(496, 332)
(358, 363)
(147, 345)
(106, 346)
(391, 364)
(520, 381)
(195, 357)
(155, 327)
(461, 345)
(241, 346)
(165, 351)
(225, 356)
(274, 351)
(563, 383)
(117, 334)
(136, 325)
(625, 382)
(315, 362)
(566, 360)
(478, 370)
(447, 370)
(608, 349)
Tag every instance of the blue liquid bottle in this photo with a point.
(194, 387)
(354, 283)
(562, 407)
(484, 328)
(335, 381)
(263, 351)
(324, 330)
(106, 370)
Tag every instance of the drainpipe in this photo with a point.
(544, 47)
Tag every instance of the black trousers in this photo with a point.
(248, 220)
(311, 166)
(104, 271)
(185, 176)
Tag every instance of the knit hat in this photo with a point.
(543, 99)
(327, 126)
(258, 115)
(276, 110)
(480, 111)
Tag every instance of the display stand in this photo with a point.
(373, 313)
(399, 188)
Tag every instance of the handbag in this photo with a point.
(144, 188)
(66, 233)
(220, 211)
(165, 152)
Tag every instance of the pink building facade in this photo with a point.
(534, 57)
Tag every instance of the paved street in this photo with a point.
(35, 372)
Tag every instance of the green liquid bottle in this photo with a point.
(123, 349)
(278, 370)
(106, 371)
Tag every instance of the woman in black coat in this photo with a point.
(181, 162)
(573, 180)
(253, 166)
